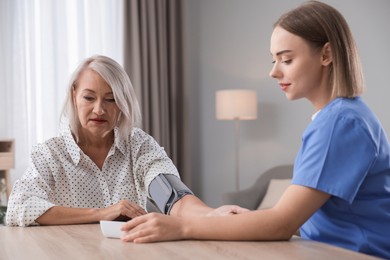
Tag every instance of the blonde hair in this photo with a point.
(319, 23)
(124, 94)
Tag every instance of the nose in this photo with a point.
(275, 72)
(99, 108)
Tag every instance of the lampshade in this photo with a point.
(236, 104)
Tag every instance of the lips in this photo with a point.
(284, 86)
(98, 120)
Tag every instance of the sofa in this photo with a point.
(265, 191)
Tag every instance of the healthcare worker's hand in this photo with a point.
(153, 227)
(227, 210)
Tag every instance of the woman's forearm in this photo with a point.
(62, 216)
(248, 226)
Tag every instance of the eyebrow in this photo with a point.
(92, 91)
(282, 52)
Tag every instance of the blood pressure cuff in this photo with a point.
(164, 191)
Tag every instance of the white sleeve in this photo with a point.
(29, 197)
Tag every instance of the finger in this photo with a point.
(133, 213)
(140, 211)
(236, 209)
(139, 234)
(133, 210)
(239, 210)
(131, 224)
(137, 209)
(145, 239)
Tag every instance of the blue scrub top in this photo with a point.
(345, 153)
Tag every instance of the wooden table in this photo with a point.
(87, 242)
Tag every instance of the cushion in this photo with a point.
(276, 188)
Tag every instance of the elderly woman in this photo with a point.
(102, 165)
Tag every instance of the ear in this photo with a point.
(326, 54)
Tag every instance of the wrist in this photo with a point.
(186, 228)
(97, 214)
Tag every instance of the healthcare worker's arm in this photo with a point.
(191, 205)
(296, 205)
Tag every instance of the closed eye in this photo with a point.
(111, 100)
(88, 98)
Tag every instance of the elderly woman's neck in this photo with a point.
(89, 140)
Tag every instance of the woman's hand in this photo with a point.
(226, 210)
(123, 210)
(153, 227)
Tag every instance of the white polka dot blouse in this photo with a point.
(61, 174)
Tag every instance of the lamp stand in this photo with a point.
(237, 144)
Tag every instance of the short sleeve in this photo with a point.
(335, 157)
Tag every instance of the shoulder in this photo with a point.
(140, 136)
(352, 108)
(137, 132)
(345, 111)
(342, 119)
(49, 148)
(140, 140)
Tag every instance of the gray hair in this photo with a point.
(124, 94)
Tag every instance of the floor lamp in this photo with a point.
(236, 104)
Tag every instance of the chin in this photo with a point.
(292, 97)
